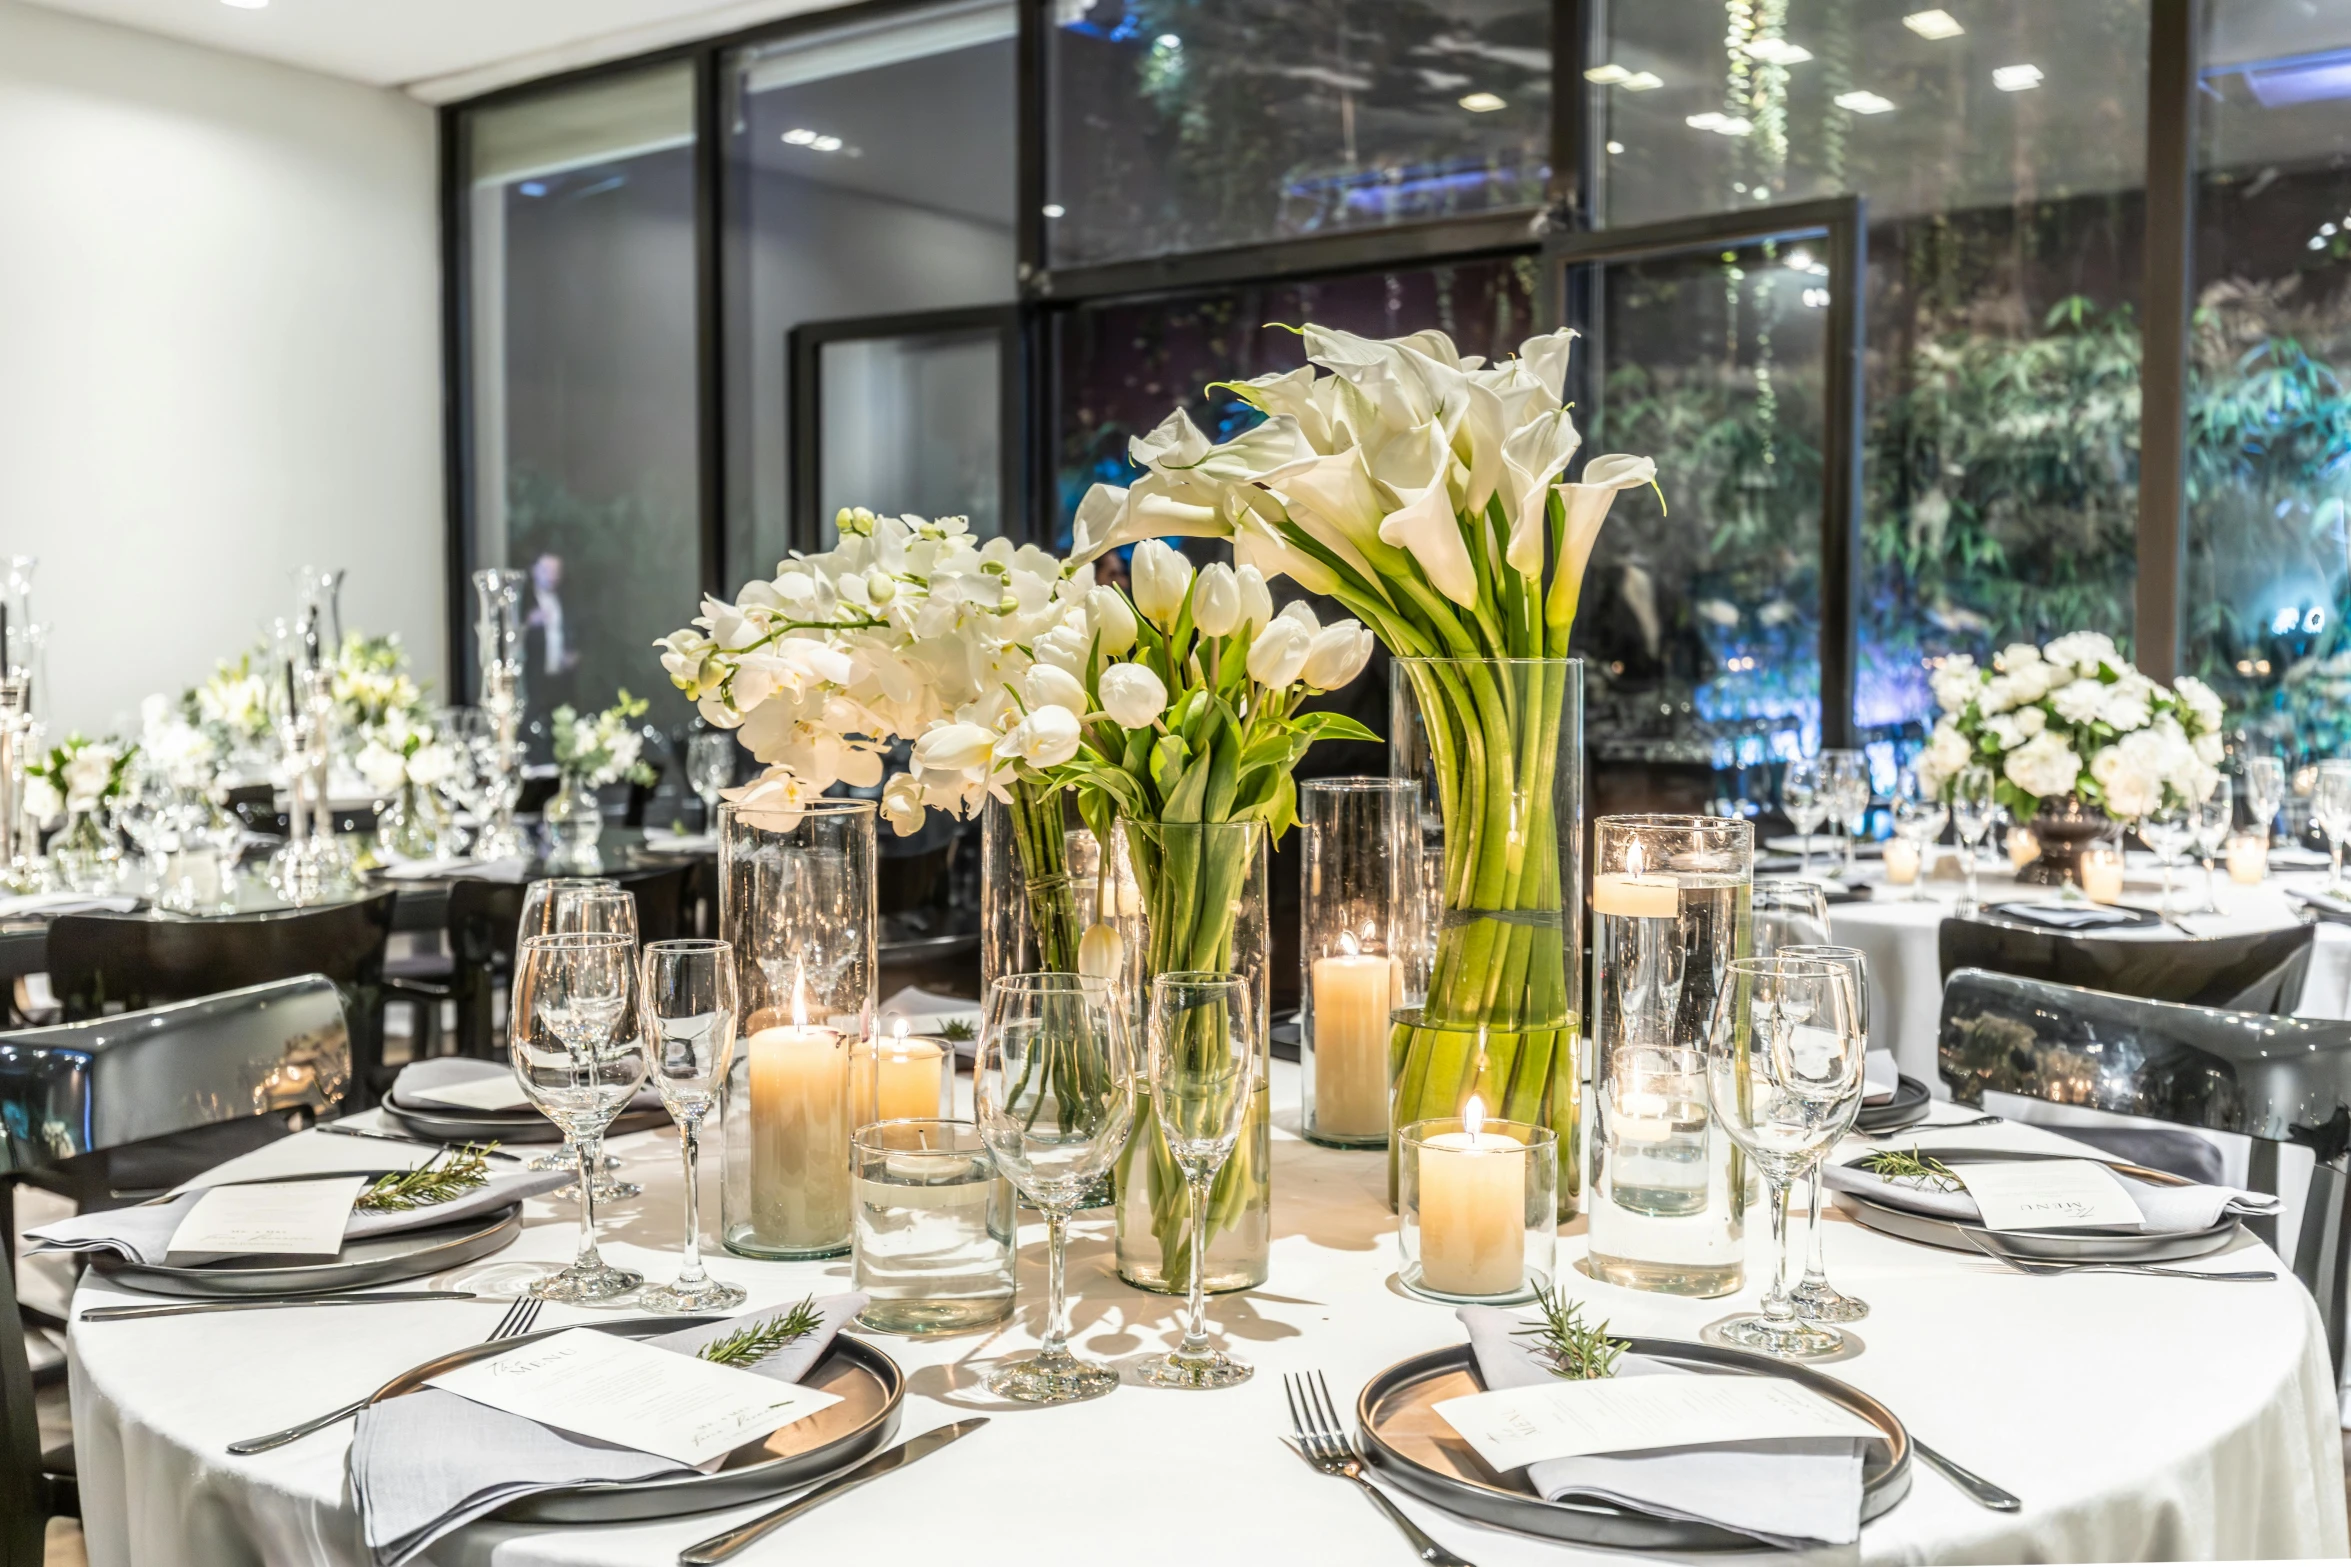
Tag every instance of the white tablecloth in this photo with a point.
(1906, 977)
(2140, 1419)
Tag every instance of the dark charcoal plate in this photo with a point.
(1908, 1107)
(379, 1259)
(869, 1384)
(2044, 1245)
(450, 1124)
(2124, 919)
(1406, 1440)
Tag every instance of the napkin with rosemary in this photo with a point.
(1789, 1493)
(1921, 1183)
(429, 1462)
(416, 1078)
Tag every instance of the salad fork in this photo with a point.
(1321, 1442)
(520, 1318)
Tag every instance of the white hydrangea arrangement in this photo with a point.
(404, 750)
(601, 748)
(2076, 718)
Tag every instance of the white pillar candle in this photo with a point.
(2023, 847)
(800, 1133)
(2102, 875)
(896, 1079)
(1473, 1210)
(1353, 993)
(1901, 861)
(2248, 859)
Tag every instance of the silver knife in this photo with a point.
(265, 1303)
(338, 1129)
(719, 1547)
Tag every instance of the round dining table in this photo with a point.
(2138, 1418)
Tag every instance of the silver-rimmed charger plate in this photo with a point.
(1410, 1444)
(2043, 1245)
(377, 1259)
(868, 1383)
(449, 1124)
(1907, 1108)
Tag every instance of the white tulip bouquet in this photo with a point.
(2074, 718)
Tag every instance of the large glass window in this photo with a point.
(1176, 126)
(2269, 419)
(870, 172)
(579, 214)
(2000, 148)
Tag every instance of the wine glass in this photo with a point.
(1918, 820)
(1849, 792)
(688, 997)
(1816, 1298)
(1783, 1069)
(2216, 818)
(1053, 1089)
(1804, 798)
(1207, 1067)
(1788, 914)
(554, 904)
(2330, 808)
(2265, 792)
(2167, 830)
(1975, 806)
(710, 767)
(580, 1056)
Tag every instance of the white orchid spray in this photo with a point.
(1421, 488)
(2076, 718)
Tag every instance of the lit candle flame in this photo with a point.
(799, 994)
(1473, 1117)
(1347, 946)
(1632, 859)
(898, 1042)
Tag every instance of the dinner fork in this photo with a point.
(1321, 1442)
(520, 1318)
(1923, 1126)
(2042, 1268)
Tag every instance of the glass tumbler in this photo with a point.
(935, 1229)
(1357, 911)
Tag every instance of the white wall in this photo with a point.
(219, 352)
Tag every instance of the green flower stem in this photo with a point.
(1041, 844)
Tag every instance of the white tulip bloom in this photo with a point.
(1256, 598)
(1046, 738)
(1216, 600)
(954, 748)
(1335, 655)
(1110, 618)
(1048, 685)
(1279, 653)
(1161, 578)
(1132, 695)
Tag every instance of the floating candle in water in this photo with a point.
(1634, 895)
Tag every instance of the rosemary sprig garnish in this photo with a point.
(958, 1030)
(1908, 1164)
(748, 1346)
(1572, 1350)
(448, 1174)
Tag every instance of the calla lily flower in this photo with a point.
(1587, 506)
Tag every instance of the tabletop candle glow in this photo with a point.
(1472, 1209)
(2023, 847)
(1634, 895)
(2102, 875)
(897, 1079)
(1353, 992)
(2248, 859)
(800, 1132)
(1901, 862)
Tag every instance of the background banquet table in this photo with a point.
(1905, 973)
(2138, 1418)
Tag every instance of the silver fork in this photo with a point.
(1922, 1126)
(520, 1318)
(1321, 1442)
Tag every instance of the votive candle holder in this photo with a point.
(1477, 1208)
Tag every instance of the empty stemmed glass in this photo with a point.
(1788, 914)
(1975, 806)
(710, 767)
(1816, 1298)
(1849, 791)
(1918, 820)
(1053, 1088)
(1207, 1065)
(2168, 830)
(1804, 798)
(1783, 1068)
(688, 997)
(2330, 809)
(2216, 818)
(580, 1055)
(2265, 792)
(555, 904)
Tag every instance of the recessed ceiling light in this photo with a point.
(827, 144)
(2016, 78)
(1606, 75)
(1484, 102)
(1864, 102)
(1054, 209)
(1616, 147)
(800, 137)
(1933, 24)
(1778, 51)
(1641, 81)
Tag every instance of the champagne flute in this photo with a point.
(2167, 830)
(1053, 1089)
(1975, 806)
(2265, 792)
(580, 1056)
(1207, 1067)
(1804, 798)
(690, 1009)
(1816, 1298)
(2330, 808)
(1918, 821)
(2216, 818)
(1783, 1067)
(710, 767)
(1849, 791)
(555, 904)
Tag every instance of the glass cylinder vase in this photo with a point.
(1497, 744)
(1203, 887)
(797, 901)
(1671, 907)
(575, 823)
(1041, 887)
(1360, 839)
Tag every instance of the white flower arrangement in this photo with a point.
(188, 754)
(2075, 717)
(402, 751)
(77, 776)
(601, 749)
(232, 703)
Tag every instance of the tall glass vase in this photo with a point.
(1043, 884)
(1497, 744)
(1204, 910)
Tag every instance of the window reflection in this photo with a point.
(910, 423)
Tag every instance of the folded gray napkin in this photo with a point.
(143, 1234)
(1789, 1493)
(2163, 1209)
(429, 1462)
(448, 1071)
(2066, 916)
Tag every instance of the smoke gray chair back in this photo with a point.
(34, 1487)
(2275, 1081)
(2259, 971)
